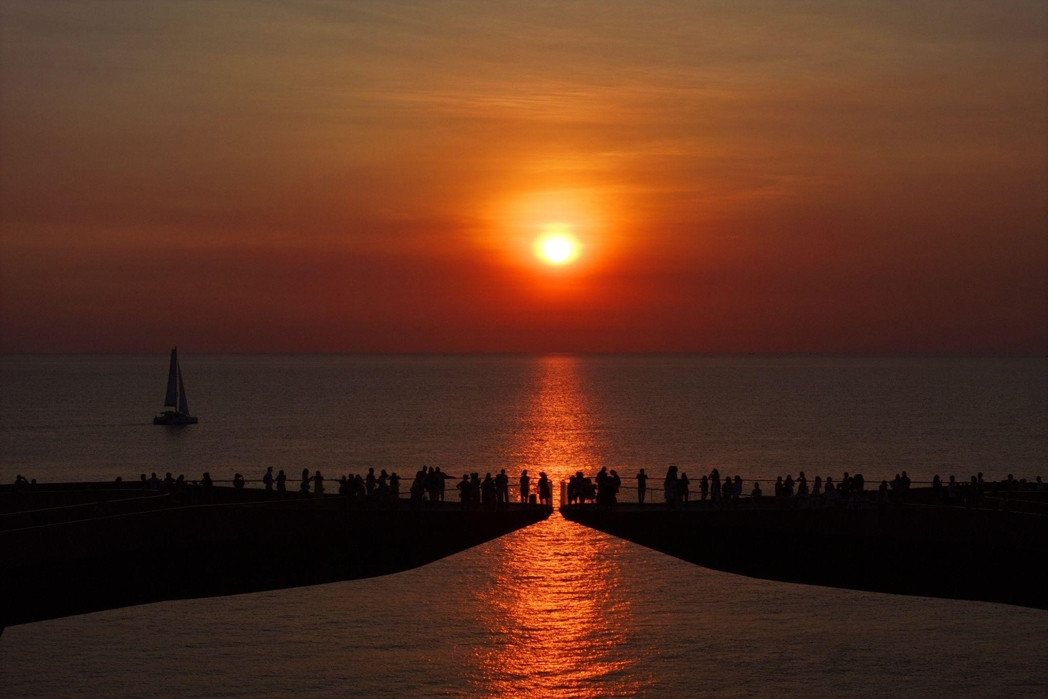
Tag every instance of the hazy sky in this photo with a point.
(371, 176)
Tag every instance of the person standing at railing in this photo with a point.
(670, 486)
(704, 488)
(525, 485)
(603, 487)
(432, 483)
(682, 488)
(642, 486)
(545, 490)
(267, 478)
(464, 488)
(502, 488)
(488, 490)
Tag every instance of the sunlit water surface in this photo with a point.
(555, 609)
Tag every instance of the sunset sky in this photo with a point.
(840, 177)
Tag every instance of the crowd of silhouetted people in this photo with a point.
(382, 488)
(603, 490)
(712, 489)
(493, 490)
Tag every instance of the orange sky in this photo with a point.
(309, 176)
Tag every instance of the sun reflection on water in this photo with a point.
(558, 624)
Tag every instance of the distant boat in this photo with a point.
(176, 408)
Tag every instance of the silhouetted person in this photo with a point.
(704, 488)
(502, 487)
(394, 487)
(238, 481)
(267, 478)
(525, 486)
(304, 485)
(370, 483)
(545, 490)
(439, 478)
(756, 492)
(432, 484)
(207, 490)
(603, 487)
(318, 483)
(587, 489)
(669, 486)
(464, 494)
(281, 481)
(682, 488)
(487, 491)
(418, 488)
(642, 486)
(382, 485)
(831, 494)
(715, 486)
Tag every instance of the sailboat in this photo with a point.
(176, 408)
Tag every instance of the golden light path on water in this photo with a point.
(557, 624)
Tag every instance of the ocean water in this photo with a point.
(555, 609)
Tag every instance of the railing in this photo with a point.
(628, 492)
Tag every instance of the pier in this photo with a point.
(993, 552)
(75, 548)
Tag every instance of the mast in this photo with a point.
(174, 378)
(183, 404)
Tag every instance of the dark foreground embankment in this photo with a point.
(132, 551)
(936, 551)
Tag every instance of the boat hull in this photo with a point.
(174, 420)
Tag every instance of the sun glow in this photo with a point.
(561, 236)
(557, 245)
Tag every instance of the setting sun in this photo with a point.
(557, 245)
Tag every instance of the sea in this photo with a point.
(553, 610)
